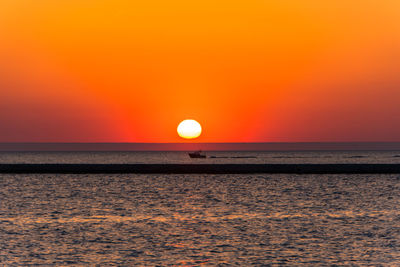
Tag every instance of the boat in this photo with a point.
(197, 154)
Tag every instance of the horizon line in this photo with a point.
(188, 142)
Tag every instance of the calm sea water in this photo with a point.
(220, 157)
(194, 220)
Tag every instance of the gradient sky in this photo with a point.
(248, 71)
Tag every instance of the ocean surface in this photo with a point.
(199, 220)
(212, 157)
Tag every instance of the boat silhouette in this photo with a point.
(197, 154)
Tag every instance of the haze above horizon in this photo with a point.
(315, 146)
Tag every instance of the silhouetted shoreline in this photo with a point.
(203, 168)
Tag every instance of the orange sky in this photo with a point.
(248, 71)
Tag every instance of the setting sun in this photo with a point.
(189, 129)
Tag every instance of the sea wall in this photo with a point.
(202, 168)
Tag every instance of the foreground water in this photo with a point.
(199, 219)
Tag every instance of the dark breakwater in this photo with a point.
(203, 168)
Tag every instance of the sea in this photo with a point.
(200, 219)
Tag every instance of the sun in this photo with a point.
(189, 129)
